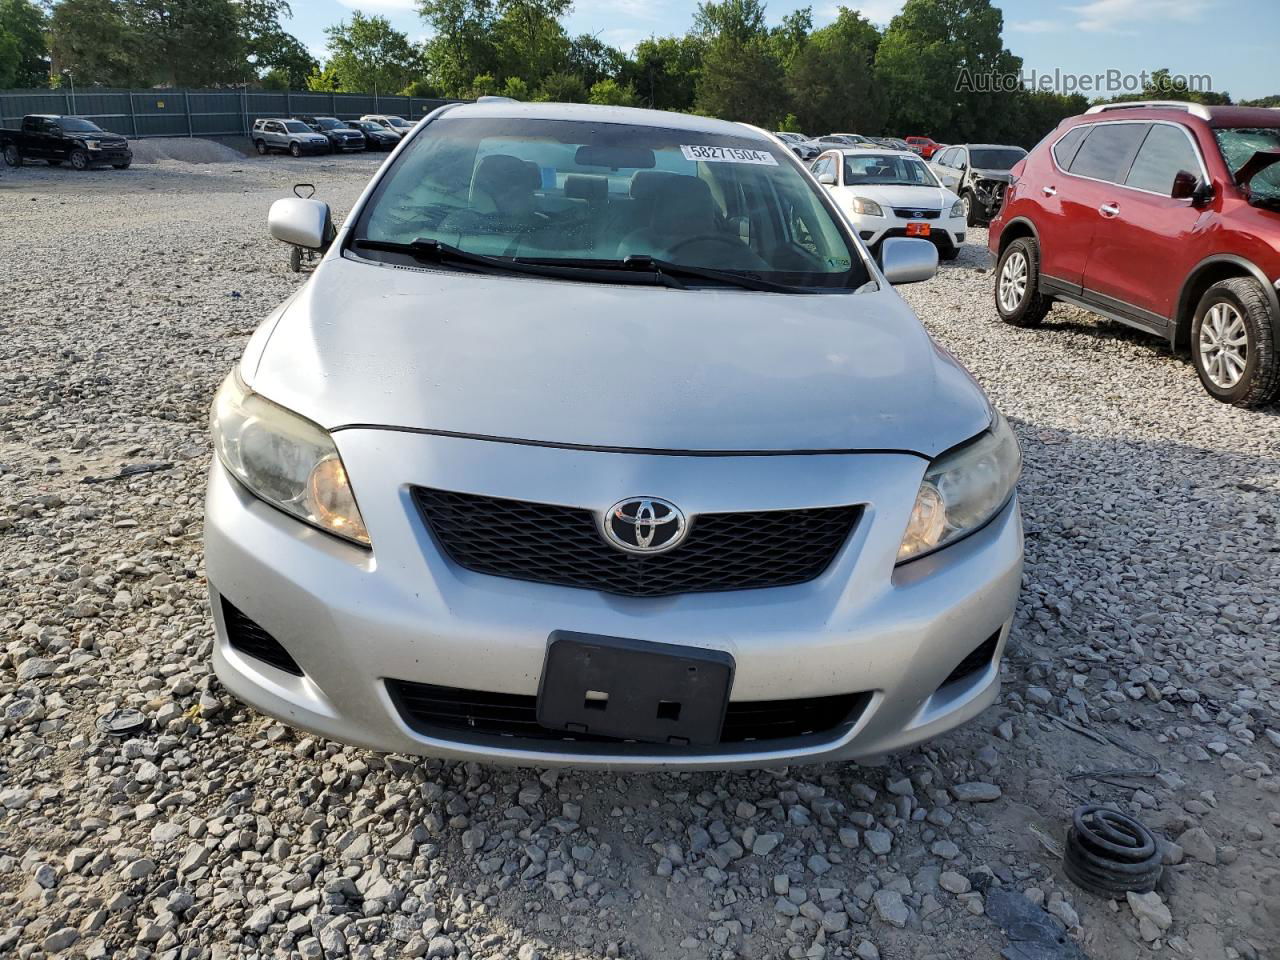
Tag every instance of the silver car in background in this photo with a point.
(597, 438)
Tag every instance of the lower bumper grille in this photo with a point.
(545, 543)
(977, 660)
(481, 716)
(250, 639)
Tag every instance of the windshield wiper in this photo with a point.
(431, 250)
(670, 272)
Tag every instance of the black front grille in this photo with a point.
(483, 716)
(977, 660)
(910, 213)
(250, 639)
(562, 545)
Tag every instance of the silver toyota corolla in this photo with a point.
(597, 438)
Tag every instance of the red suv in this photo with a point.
(1164, 216)
(925, 146)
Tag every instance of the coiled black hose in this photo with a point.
(1109, 853)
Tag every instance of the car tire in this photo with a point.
(79, 159)
(1017, 289)
(261, 146)
(295, 151)
(970, 209)
(1232, 311)
(12, 156)
(948, 253)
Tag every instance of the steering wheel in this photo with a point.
(736, 245)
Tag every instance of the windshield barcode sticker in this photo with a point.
(727, 155)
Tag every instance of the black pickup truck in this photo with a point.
(57, 139)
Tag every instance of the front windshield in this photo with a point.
(399, 122)
(1238, 144)
(296, 126)
(76, 125)
(887, 169)
(995, 159)
(330, 123)
(572, 190)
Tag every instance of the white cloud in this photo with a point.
(1035, 26)
(1101, 16)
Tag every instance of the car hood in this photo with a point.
(612, 365)
(923, 198)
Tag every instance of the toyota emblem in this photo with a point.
(644, 525)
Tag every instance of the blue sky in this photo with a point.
(1233, 41)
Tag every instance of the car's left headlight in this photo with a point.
(957, 209)
(93, 144)
(284, 459)
(962, 490)
(867, 208)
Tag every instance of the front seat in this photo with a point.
(675, 208)
(504, 185)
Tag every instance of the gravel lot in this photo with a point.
(1146, 640)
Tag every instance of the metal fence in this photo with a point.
(200, 113)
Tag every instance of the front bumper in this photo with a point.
(354, 620)
(348, 145)
(944, 232)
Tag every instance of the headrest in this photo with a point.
(592, 189)
(505, 172)
(645, 183)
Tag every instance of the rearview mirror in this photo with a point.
(908, 260)
(303, 223)
(827, 179)
(1187, 186)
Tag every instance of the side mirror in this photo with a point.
(827, 179)
(908, 260)
(1187, 186)
(303, 223)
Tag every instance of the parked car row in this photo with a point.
(311, 134)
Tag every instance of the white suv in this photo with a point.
(892, 193)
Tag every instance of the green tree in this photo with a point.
(927, 51)
(831, 80)
(789, 38)
(562, 88)
(594, 60)
(269, 47)
(742, 78)
(609, 92)
(530, 41)
(93, 39)
(422, 87)
(483, 85)
(24, 60)
(517, 89)
(463, 43)
(185, 42)
(664, 71)
(368, 55)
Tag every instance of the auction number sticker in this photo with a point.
(727, 154)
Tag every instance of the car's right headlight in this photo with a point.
(867, 208)
(962, 490)
(284, 459)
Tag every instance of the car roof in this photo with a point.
(876, 152)
(1215, 116)
(632, 116)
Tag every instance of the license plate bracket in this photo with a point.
(634, 689)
